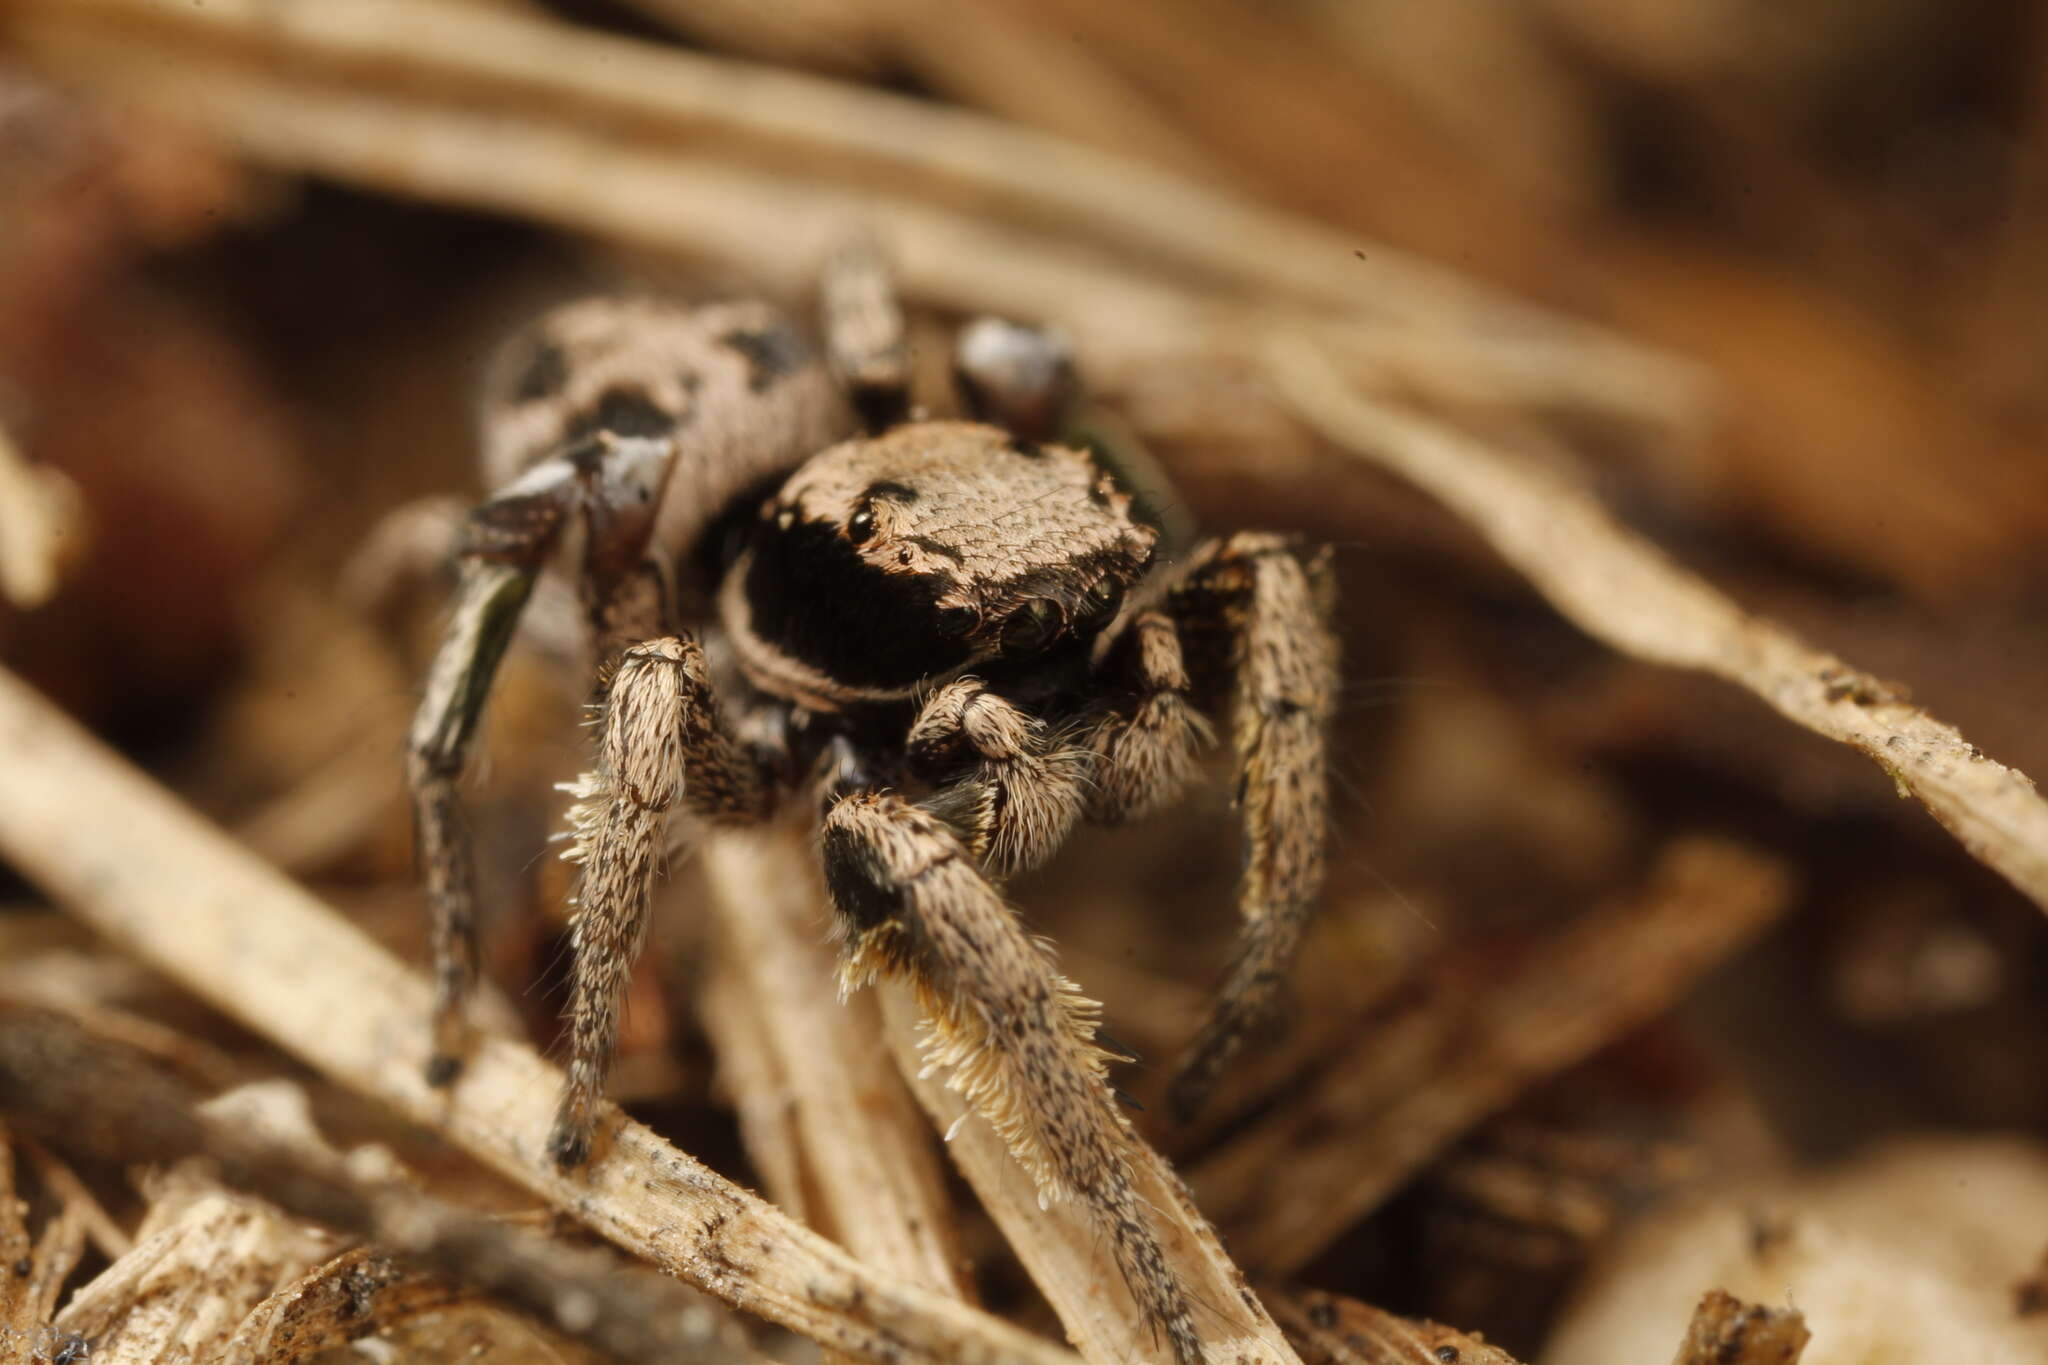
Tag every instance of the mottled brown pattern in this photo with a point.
(1726, 1331)
(728, 434)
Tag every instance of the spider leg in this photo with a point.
(1017, 1038)
(865, 340)
(1019, 378)
(1253, 610)
(662, 745)
(505, 543)
(1148, 749)
(1026, 787)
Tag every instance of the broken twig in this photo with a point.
(1333, 1330)
(1727, 1331)
(1622, 590)
(1476, 1035)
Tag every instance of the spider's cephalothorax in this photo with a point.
(955, 633)
(890, 565)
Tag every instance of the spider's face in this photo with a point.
(938, 547)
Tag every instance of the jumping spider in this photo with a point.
(953, 635)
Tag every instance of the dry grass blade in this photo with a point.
(1621, 589)
(107, 1236)
(761, 169)
(42, 527)
(1333, 1330)
(865, 1149)
(18, 1317)
(359, 1292)
(841, 131)
(826, 1119)
(203, 1258)
(129, 859)
(751, 1077)
(1064, 1249)
(1482, 1031)
(1727, 1331)
(32, 1271)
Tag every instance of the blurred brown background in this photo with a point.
(244, 301)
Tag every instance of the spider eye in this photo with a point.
(1030, 628)
(861, 524)
(956, 621)
(1099, 608)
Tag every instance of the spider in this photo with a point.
(952, 635)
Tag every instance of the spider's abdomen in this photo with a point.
(735, 385)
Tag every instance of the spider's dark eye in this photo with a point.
(956, 621)
(1100, 606)
(1030, 628)
(861, 524)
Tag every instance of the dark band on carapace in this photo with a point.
(810, 594)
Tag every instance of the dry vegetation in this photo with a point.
(1673, 380)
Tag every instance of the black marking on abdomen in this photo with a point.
(543, 374)
(771, 353)
(623, 411)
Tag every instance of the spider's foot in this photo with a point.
(1252, 1004)
(1189, 1092)
(451, 1043)
(569, 1140)
(568, 1147)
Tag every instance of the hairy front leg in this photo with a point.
(1148, 748)
(1016, 1038)
(1257, 609)
(662, 746)
(1024, 785)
